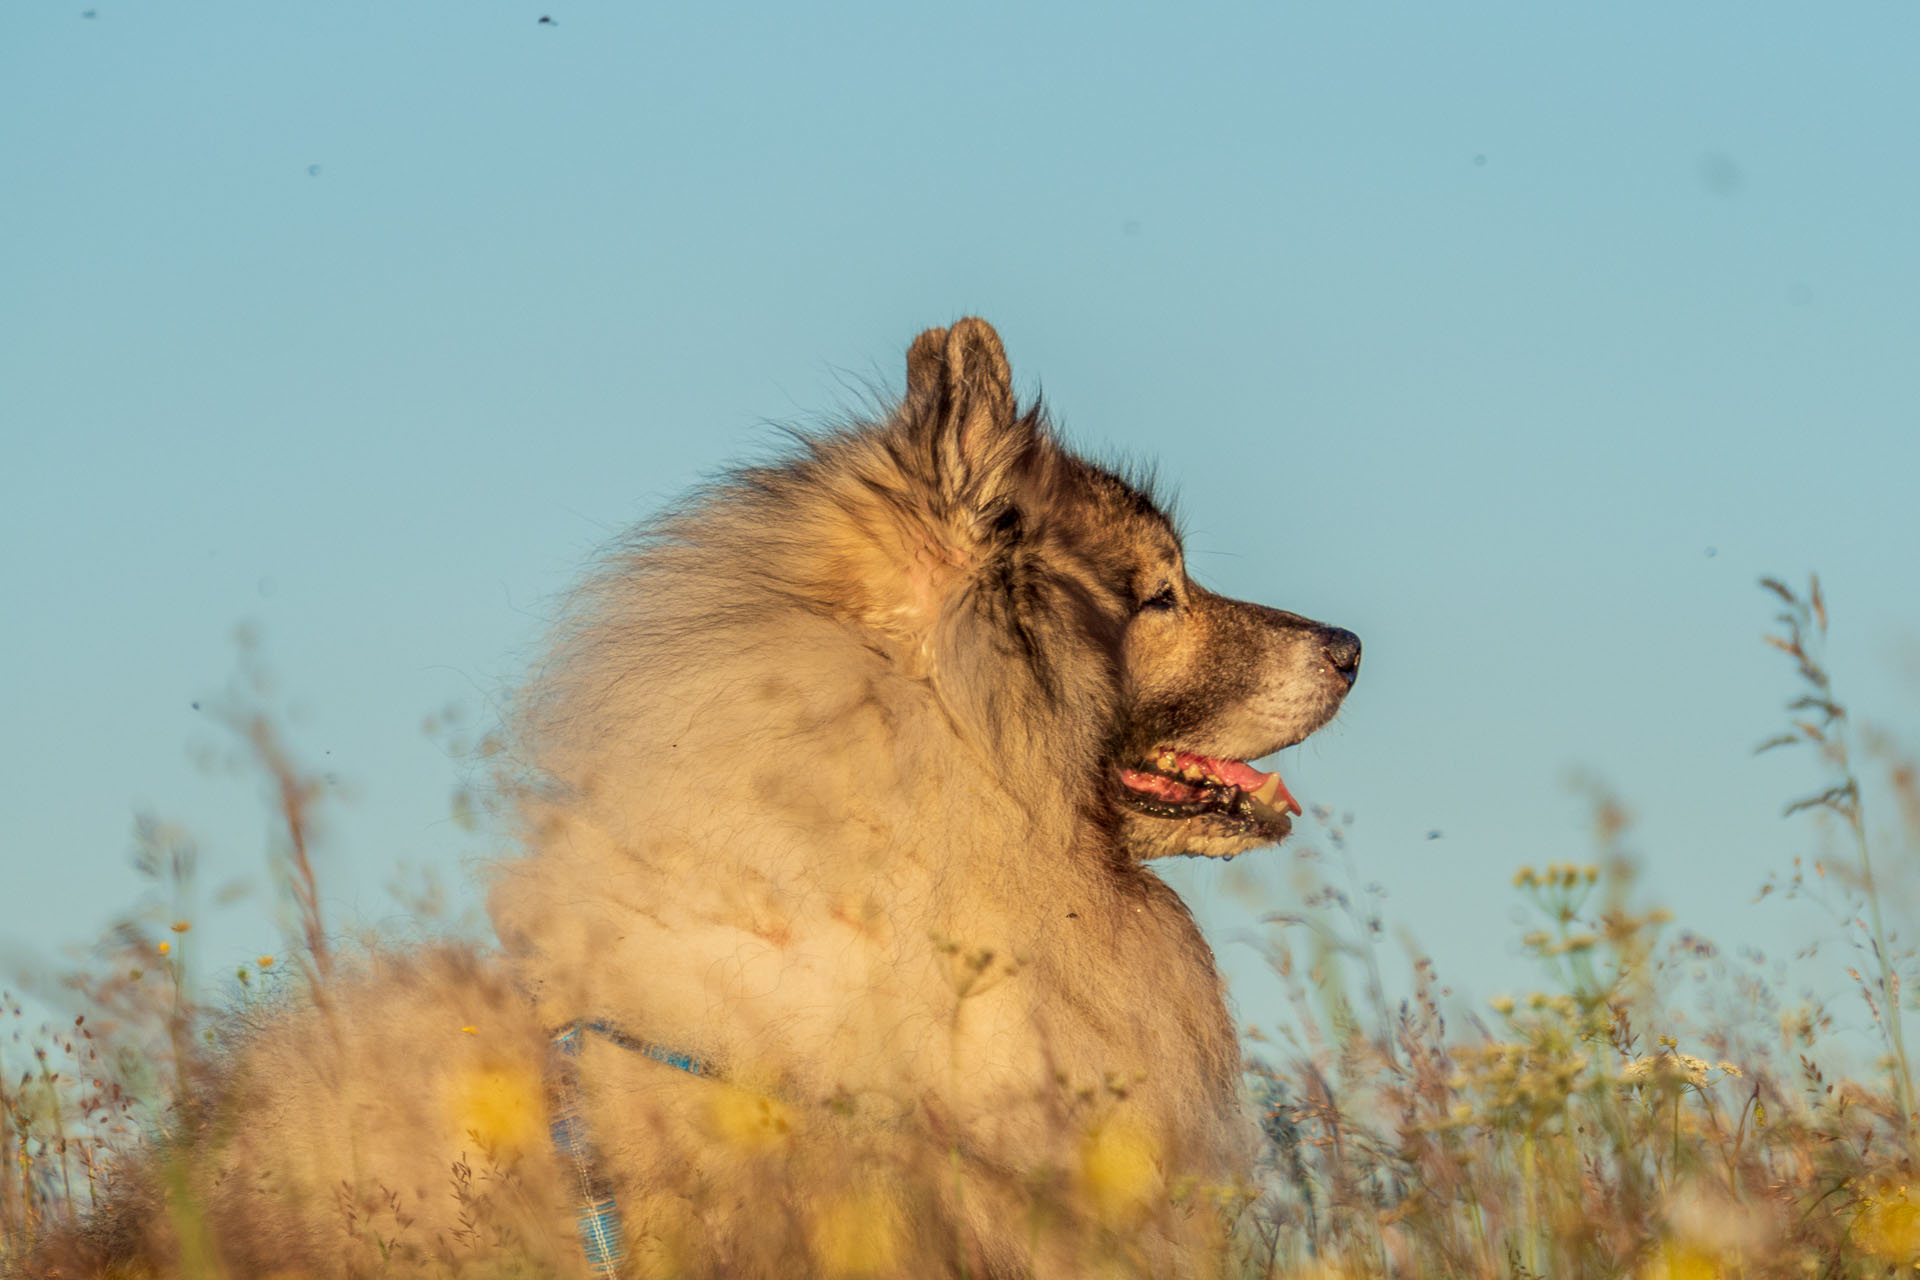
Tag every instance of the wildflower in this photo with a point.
(1502, 1004)
(265, 962)
(1889, 1224)
(1524, 878)
(858, 1234)
(1119, 1170)
(502, 1108)
(166, 948)
(1670, 1066)
(1682, 1262)
(181, 926)
(748, 1120)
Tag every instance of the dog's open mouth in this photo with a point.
(1180, 784)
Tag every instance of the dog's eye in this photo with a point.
(1160, 601)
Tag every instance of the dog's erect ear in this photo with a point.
(960, 406)
(926, 368)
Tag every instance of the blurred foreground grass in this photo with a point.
(1588, 1126)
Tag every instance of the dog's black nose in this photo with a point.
(1343, 651)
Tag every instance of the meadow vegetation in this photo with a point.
(1620, 1115)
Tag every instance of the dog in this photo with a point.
(833, 948)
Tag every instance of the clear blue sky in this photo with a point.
(1521, 339)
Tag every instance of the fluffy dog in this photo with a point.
(833, 950)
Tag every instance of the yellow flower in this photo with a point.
(748, 1120)
(1682, 1262)
(500, 1107)
(166, 948)
(1890, 1224)
(266, 962)
(1119, 1170)
(858, 1234)
(1675, 1068)
(181, 926)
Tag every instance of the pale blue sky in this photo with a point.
(1520, 339)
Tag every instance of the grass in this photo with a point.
(1567, 1135)
(1598, 1124)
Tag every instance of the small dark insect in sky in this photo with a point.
(1433, 835)
(546, 21)
(89, 13)
(313, 171)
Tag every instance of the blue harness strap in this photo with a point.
(678, 1059)
(597, 1214)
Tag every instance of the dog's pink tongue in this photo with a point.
(1264, 787)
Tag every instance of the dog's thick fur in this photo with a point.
(821, 786)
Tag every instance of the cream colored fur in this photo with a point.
(811, 786)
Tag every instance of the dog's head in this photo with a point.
(1057, 620)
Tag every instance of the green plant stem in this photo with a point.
(1889, 979)
(1675, 1159)
(59, 1132)
(1529, 1181)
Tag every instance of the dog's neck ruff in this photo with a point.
(597, 1214)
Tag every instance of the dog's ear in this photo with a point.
(926, 368)
(961, 410)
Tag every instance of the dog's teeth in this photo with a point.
(1167, 760)
(1267, 790)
